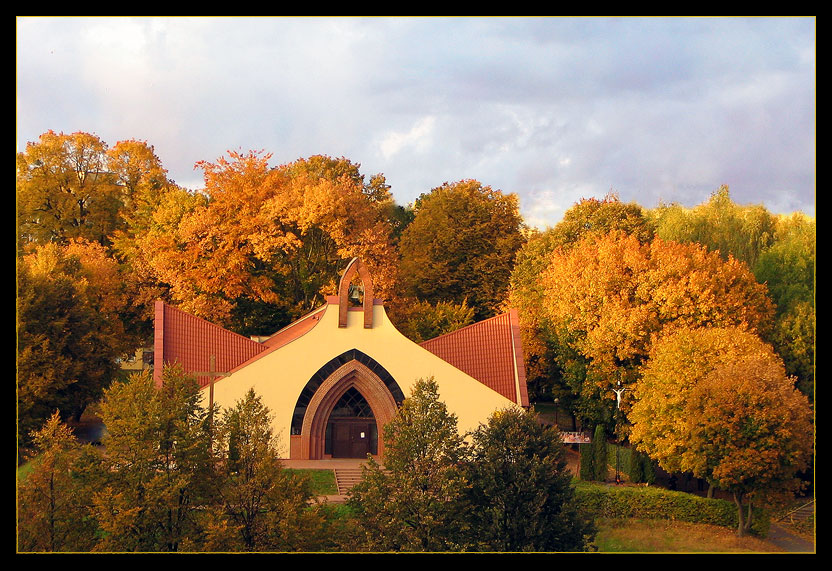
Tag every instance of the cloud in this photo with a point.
(418, 138)
(553, 109)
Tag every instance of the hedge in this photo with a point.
(638, 502)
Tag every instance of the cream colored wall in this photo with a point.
(279, 376)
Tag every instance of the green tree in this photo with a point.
(521, 494)
(641, 468)
(716, 402)
(788, 269)
(53, 501)
(267, 504)
(461, 245)
(720, 224)
(416, 501)
(159, 473)
(422, 320)
(67, 338)
(600, 468)
(586, 467)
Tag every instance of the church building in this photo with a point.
(334, 378)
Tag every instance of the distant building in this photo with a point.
(335, 377)
(139, 360)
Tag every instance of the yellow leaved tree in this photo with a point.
(610, 297)
(716, 402)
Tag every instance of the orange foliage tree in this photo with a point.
(587, 217)
(265, 244)
(716, 402)
(609, 297)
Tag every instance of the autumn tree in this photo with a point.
(416, 501)
(68, 332)
(609, 297)
(267, 504)
(159, 476)
(461, 245)
(588, 217)
(521, 494)
(267, 242)
(54, 499)
(716, 402)
(139, 174)
(65, 191)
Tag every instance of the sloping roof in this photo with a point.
(186, 339)
(490, 351)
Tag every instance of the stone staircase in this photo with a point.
(346, 478)
(800, 514)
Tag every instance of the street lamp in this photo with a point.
(618, 392)
(556, 413)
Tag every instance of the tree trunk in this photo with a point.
(710, 491)
(740, 514)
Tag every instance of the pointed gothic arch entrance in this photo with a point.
(350, 395)
(351, 431)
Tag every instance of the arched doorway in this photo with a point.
(351, 431)
(349, 395)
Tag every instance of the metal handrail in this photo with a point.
(796, 510)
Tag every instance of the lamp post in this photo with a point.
(557, 424)
(618, 392)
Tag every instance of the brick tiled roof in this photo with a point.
(190, 341)
(490, 351)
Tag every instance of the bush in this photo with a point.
(640, 467)
(658, 503)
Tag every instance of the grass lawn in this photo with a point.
(322, 481)
(664, 536)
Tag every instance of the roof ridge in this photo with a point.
(298, 320)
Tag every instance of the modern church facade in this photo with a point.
(335, 377)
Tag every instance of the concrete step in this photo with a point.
(801, 513)
(346, 478)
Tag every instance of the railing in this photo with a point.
(801, 512)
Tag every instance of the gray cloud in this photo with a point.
(553, 109)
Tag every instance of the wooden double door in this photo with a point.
(353, 437)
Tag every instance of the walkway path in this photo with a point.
(788, 541)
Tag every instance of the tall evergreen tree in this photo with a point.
(54, 499)
(265, 504)
(600, 469)
(159, 473)
(416, 501)
(521, 494)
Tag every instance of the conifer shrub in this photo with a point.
(600, 470)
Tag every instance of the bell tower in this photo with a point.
(356, 268)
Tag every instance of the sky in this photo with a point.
(552, 109)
